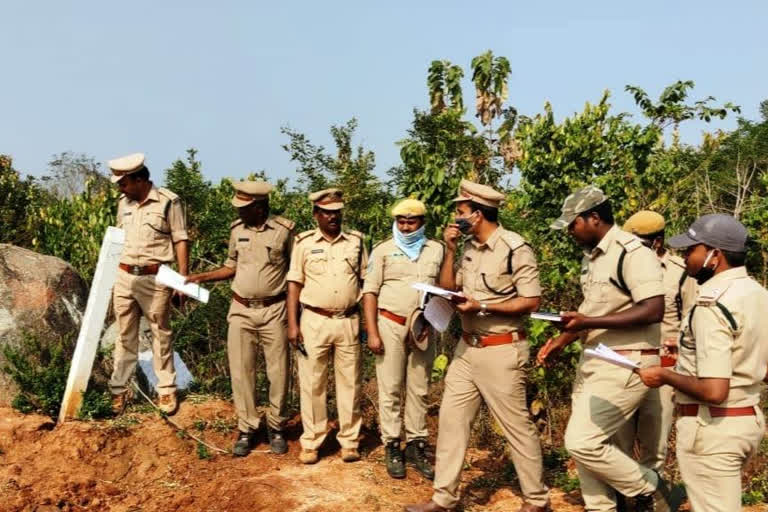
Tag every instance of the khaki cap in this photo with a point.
(418, 330)
(409, 208)
(481, 194)
(644, 223)
(126, 165)
(580, 201)
(247, 192)
(328, 199)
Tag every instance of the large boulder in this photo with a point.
(37, 294)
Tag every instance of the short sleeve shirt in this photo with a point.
(500, 269)
(712, 345)
(260, 257)
(330, 271)
(642, 275)
(151, 227)
(391, 273)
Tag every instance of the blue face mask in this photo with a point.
(410, 243)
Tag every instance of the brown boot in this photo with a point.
(168, 403)
(527, 507)
(425, 507)
(350, 454)
(120, 402)
(308, 456)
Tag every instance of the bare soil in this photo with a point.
(139, 463)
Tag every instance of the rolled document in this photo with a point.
(606, 354)
(166, 276)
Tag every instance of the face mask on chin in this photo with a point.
(705, 273)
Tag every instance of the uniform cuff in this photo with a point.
(296, 277)
(713, 369)
(528, 290)
(179, 236)
(647, 290)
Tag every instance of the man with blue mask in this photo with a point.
(403, 352)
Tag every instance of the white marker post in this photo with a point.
(93, 322)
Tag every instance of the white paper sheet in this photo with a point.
(549, 317)
(166, 276)
(435, 290)
(439, 312)
(606, 354)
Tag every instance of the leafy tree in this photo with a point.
(19, 201)
(69, 172)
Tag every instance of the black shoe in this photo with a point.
(244, 444)
(621, 502)
(277, 444)
(644, 503)
(416, 455)
(666, 498)
(395, 463)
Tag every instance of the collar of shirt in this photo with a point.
(153, 195)
(269, 223)
(319, 236)
(606, 242)
(727, 275)
(490, 242)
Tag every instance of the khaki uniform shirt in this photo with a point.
(391, 273)
(710, 346)
(673, 269)
(487, 274)
(260, 257)
(642, 275)
(331, 272)
(152, 227)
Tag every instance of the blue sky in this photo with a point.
(109, 78)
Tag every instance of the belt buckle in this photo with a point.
(135, 270)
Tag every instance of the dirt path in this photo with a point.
(139, 464)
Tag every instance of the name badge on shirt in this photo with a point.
(127, 214)
(243, 239)
(316, 251)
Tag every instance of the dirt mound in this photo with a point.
(139, 463)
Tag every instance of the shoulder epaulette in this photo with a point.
(628, 241)
(235, 223)
(303, 235)
(513, 240)
(380, 242)
(167, 193)
(710, 295)
(355, 233)
(677, 260)
(286, 223)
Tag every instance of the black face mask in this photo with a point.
(705, 273)
(464, 225)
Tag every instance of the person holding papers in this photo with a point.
(155, 232)
(722, 361)
(499, 278)
(621, 280)
(259, 251)
(391, 306)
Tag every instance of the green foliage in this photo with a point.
(202, 451)
(39, 369)
(97, 403)
(18, 200)
(444, 80)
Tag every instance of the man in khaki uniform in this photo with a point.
(259, 251)
(623, 304)
(499, 279)
(326, 273)
(155, 229)
(390, 302)
(652, 423)
(723, 359)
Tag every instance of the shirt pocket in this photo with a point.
(432, 270)
(352, 261)
(155, 227)
(317, 263)
(497, 283)
(275, 254)
(599, 288)
(395, 267)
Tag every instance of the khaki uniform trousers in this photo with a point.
(651, 426)
(249, 327)
(321, 336)
(494, 375)
(133, 296)
(711, 453)
(401, 366)
(604, 398)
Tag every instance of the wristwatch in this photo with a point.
(483, 310)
